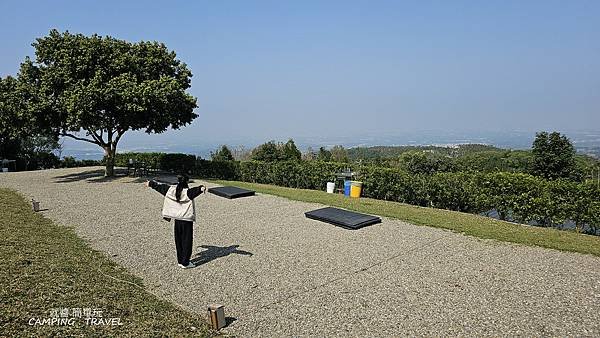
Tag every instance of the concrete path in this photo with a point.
(281, 274)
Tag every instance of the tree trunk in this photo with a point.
(110, 162)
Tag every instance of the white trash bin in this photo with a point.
(330, 187)
(4, 170)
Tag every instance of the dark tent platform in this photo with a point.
(343, 218)
(231, 192)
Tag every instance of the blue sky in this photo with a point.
(277, 69)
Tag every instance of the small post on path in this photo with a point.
(35, 205)
(216, 316)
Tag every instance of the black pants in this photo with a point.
(183, 240)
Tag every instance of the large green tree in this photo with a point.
(290, 152)
(10, 144)
(553, 156)
(268, 152)
(271, 152)
(324, 154)
(94, 89)
(223, 154)
(19, 139)
(13, 123)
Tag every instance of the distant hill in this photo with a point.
(383, 152)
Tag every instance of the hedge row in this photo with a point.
(514, 196)
(71, 162)
(165, 161)
(303, 175)
(222, 170)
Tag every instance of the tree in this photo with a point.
(290, 152)
(324, 155)
(417, 162)
(31, 147)
(103, 87)
(9, 123)
(13, 123)
(271, 152)
(339, 154)
(38, 152)
(268, 152)
(223, 154)
(553, 156)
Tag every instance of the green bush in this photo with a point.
(180, 163)
(175, 162)
(390, 184)
(585, 208)
(71, 162)
(222, 170)
(68, 162)
(152, 159)
(558, 202)
(515, 196)
(455, 191)
(293, 174)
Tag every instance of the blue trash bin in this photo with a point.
(347, 185)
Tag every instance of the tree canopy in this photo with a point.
(19, 139)
(271, 152)
(223, 154)
(103, 87)
(553, 156)
(267, 152)
(324, 154)
(290, 152)
(14, 123)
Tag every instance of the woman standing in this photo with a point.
(179, 205)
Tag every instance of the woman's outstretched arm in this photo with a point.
(160, 187)
(195, 191)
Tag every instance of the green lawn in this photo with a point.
(468, 224)
(44, 266)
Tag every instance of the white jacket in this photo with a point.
(183, 209)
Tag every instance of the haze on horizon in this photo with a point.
(273, 70)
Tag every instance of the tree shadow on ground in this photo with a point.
(96, 176)
(215, 252)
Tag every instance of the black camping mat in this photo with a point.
(343, 218)
(231, 192)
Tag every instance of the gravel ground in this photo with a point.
(281, 274)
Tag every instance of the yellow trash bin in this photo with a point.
(355, 188)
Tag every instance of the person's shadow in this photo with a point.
(214, 252)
